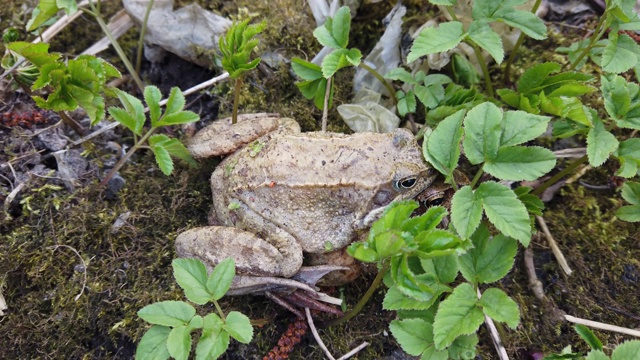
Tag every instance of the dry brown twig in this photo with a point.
(554, 246)
(495, 336)
(316, 336)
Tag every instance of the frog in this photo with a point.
(287, 204)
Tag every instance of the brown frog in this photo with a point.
(283, 197)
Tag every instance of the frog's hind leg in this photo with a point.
(221, 137)
(253, 255)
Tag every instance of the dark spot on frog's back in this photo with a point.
(383, 197)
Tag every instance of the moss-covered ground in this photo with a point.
(73, 282)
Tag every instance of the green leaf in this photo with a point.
(341, 25)
(464, 347)
(600, 143)
(519, 127)
(505, 211)
(432, 40)
(631, 192)
(152, 97)
(175, 102)
(393, 217)
(482, 34)
(362, 251)
(445, 268)
(490, 260)
(338, 59)
(306, 70)
(413, 335)
(239, 327)
(466, 211)
(629, 213)
(521, 163)
(532, 79)
(180, 117)
(628, 154)
(134, 107)
(153, 345)
(500, 307)
(482, 132)
(432, 354)
(442, 148)
(457, 315)
(45, 10)
(221, 277)
(167, 313)
(401, 75)
(214, 341)
(627, 350)
(406, 102)
(528, 22)
(179, 342)
(37, 54)
(588, 336)
(430, 96)
(163, 159)
(388, 243)
(191, 275)
(596, 355)
(620, 54)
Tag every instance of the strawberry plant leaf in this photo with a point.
(430, 95)
(490, 260)
(134, 107)
(341, 26)
(588, 336)
(180, 117)
(434, 40)
(628, 154)
(153, 344)
(175, 102)
(600, 143)
(457, 315)
(413, 335)
(466, 211)
(482, 34)
(627, 350)
(191, 275)
(214, 341)
(152, 97)
(500, 307)
(629, 213)
(442, 147)
(306, 70)
(445, 268)
(401, 75)
(220, 279)
(463, 347)
(167, 313)
(505, 211)
(239, 327)
(521, 163)
(533, 78)
(631, 192)
(620, 54)
(482, 132)
(123, 117)
(528, 22)
(163, 159)
(519, 127)
(179, 342)
(338, 59)
(406, 102)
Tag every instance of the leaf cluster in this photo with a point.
(47, 9)
(237, 45)
(334, 33)
(174, 321)
(625, 350)
(77, 82)
(448, 35)
(133, 117)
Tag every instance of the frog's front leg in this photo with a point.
(253, 255)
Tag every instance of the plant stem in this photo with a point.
(236, 100)
(116, 45)
(143, 31)
(483, 66)
(516, 47)
(220, 312)
(476, 178)
(325, 108)
(363, 301)
(597, 34)
(380, 78)
(72, 123)
(554, 179)
(127, 156)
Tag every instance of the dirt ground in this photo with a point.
(77, 260)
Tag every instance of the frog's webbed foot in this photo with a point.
(221, 137)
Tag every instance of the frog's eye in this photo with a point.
(434, 202)
(406, 183)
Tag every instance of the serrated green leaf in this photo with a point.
(152, 97)
(163, 159)
(239, 327)
(339, 59)
(509, 97)
(482, 34)
(445, 268)
(432, 40)
(175, 101)
(534, 77)
(362, 252)
(45, 10)
(631, 192)
(600, 143)
(482, 132)
(413, 335)
(341, 25)
(220, 279)
(500, 307)
(167, 313)
(490, 260)
(179, 343)
(457, 315)
(153, 344)
(620, 54)
(214, 341)
(325, 38)
(191, 275)
(388, 243)
(306, 70)
(431, 353)
(177, 118)
(464, 347)
(519, 127)
(628, 154)
(134, 107)
(442, 148)
(627, 350)
(406, 102)
(521, 163)
(444, 2)
(466, 211)
(630, 213)
(430, 96)
(528, 22)
(394, 299)
(596, 355)
(505, 211)
(393, 217)
(588, 336)
(425, 222)
(492, 8)
(401, 75)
